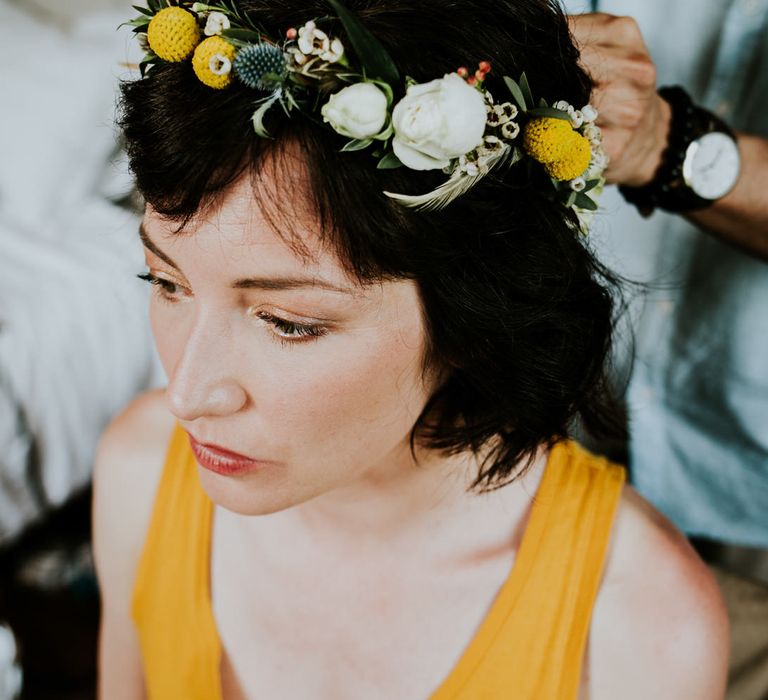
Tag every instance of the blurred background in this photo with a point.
(75, 344)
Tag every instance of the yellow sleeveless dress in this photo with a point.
(529, 647)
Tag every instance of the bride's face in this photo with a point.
(315, 379)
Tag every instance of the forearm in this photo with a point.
(741, 217)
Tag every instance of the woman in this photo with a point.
(358, 483)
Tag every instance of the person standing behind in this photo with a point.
(698, 389)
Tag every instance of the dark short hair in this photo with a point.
(518, 311)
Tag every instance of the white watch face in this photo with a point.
(712, 165)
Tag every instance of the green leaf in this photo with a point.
(549, 112)
(584, 201)
(245, 35)
(356, 145)
(373, 57)
(154, 6)
(517, 93)
(389, 162)
(591, 184)
(526, 89)
(139, 22)
(143, 10)
(386, 88)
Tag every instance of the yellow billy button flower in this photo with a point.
(574, 162)
(547, 139)
(564, 152)
(212, 62)
(173, 34)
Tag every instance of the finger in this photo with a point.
(601, 29)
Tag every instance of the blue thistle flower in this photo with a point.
(261, 66)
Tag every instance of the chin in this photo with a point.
(248, 495)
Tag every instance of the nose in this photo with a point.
(204, 381)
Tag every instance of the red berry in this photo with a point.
(480, 75)
(463, 72)
(472, 80)
(485, 66)
(292, 33)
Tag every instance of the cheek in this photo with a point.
(169, 332)
(363, 393)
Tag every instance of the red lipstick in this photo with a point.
(223, 461)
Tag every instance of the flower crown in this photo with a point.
(453, 123)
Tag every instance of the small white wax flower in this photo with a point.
(438, 121)
(562, 105)
(312, 41)
(334, 53)
(577, 119)
(297, 56)
(510, 130)
(593, 134)
(504, 112)
(219, 65)
(589, 113)
(358, 111)
(598, 164)
(492, 142)
(216, 24)
(578, 184)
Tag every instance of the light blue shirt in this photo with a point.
(698, 393)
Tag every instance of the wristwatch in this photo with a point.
(700, 165)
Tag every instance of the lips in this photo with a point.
(222, 461)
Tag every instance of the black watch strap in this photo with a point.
(668, 190)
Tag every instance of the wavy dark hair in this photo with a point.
(518, 312)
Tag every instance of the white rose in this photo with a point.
(438, 121)
(358, 111)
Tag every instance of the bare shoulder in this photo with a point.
(659, 627)
(128, 465)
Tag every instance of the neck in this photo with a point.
(418, 503)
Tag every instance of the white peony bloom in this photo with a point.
(589, 113)
(438, 121)
(217, 22)
(358, 111)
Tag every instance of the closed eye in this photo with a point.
(167, 290)
(290, 332)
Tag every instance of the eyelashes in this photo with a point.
(290, 331)
(168, 290)
(284, 331)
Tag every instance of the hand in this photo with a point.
(634, 119)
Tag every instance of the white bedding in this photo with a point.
(74, 339)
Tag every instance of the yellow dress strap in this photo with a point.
(171, 607)
(531, 644)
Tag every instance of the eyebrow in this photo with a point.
(261, 283)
